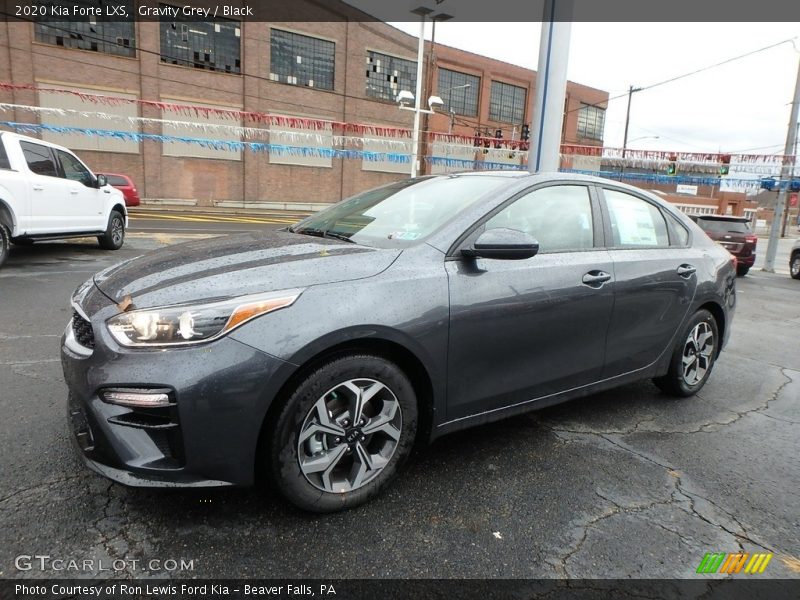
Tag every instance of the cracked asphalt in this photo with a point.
(624, 484)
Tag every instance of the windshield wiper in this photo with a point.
(322, 233)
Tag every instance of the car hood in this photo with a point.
(236, 265)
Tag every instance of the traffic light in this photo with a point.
(498, 135)
(725, 164)
(526, 133)
(672, 166)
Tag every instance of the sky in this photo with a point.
(740, 106)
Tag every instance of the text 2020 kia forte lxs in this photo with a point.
(323, 352)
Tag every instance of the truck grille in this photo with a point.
(82, 330)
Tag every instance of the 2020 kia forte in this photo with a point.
(320, 354)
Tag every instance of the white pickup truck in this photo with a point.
(47, 193)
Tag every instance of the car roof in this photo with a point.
(27, 138)
(722, 218)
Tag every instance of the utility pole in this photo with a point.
(631, 90)
(786, 175)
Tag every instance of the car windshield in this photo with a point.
(724, 225)
(401, 213)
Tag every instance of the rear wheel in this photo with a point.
(693, 357)
(741, 271)
(5, 238)
(114, 236)
(343, 433)
(794, 266)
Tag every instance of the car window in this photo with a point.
(39, 159)
(4, 162)
(635, 223)
(724, 225)
(680, 233)
(74, 169)
(559, 217)
(116, 180)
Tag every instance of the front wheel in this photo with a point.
(114, 236)
(343, 433)
(794, 266)
(693, 357)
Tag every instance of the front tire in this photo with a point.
(114, 236)
(794, 266)
(5, 239)
(693, 357)
(343, 434)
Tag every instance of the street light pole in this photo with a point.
(418, 98)
(786, 175)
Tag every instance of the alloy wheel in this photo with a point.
(117, 230)
(795, 267)
(349, 435)
(698, 353)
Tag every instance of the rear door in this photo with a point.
(655, 279)
(49, 193)
(525, 329)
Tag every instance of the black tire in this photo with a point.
(5, 238)
(794, 266)
(675, 382)
(114, 236)
(22, 241)
(741, 271)
(322, 385)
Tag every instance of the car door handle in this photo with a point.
(37, 187)
(596, 278)
(74, 191)
(686, 271)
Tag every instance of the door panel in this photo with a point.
(654, 282)
(85, 202)
(49, 193)
(523, 329)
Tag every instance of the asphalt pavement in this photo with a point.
(627, 483)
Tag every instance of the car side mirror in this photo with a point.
(503, 244)
(102, 181)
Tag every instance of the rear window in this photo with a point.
(724, 225)
(116, 180)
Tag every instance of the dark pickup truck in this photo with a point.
(735, 234)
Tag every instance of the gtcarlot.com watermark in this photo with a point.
(45, 562)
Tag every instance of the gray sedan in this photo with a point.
(319, 355)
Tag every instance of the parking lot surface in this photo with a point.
(628, 483)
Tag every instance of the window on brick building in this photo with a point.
(507, 103)
(109, 37)
(213, 45)
(459, 91)
(299, 59)
(388, 75)
(591, 122)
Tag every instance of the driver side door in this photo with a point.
(84, 201)
(522, 330)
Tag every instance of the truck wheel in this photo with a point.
(5, 238)
(114, 236)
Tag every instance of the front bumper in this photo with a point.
(209, 437)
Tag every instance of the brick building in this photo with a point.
(339, 70)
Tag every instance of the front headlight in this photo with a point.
(191, 324)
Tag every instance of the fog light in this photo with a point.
(139, 398)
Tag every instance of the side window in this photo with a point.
(4, 162)
(680, 235)
(635, 223)
(559, 217)
(74, 169)
(39, 159)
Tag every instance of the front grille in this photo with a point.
(82, 330)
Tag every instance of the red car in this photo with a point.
(735, 234)
(124, 184)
